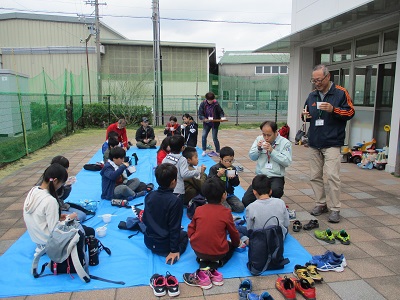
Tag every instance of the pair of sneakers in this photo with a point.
(163, 284)
(245, 292)
(289, 286)
(204, 278)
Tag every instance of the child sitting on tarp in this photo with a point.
(172, 127)
(163, 217)
(112, 179)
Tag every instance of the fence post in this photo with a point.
(237, 110)
(109, 109)
(71, 104)
(46, 103)
(65, 101)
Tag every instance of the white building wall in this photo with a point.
(306, 13)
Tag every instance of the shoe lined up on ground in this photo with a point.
(286, 286)
(325, 235)
(198, 278)
(325, 266)
(319, 210)
(159, 285)
(245, 288)
(330, 256)
(264, 296)
(313, 272)
(305, 289)
(297, 226)
(215, 277)
(334, 216)
(342, 236)
(172, 285)
(301, 272)
(311, 225)
(291, 212)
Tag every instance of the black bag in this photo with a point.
(93, 167)
(266, 249)
(300, 133)
(195, 202)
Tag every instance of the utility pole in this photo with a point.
(96, 4)
(157, 60)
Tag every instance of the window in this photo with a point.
(342, 52)
(275, 70)
(390, 41)
(365, 85)
(368, 46)
(283, 70)
(225, 95)
(323, 57)
(271, 69)
(259, 70)
(267, 69)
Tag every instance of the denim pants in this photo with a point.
(206, 130)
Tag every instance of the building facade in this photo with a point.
(359, 42)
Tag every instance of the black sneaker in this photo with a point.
(172, 285)
(159, 285)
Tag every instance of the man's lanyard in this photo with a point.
(273, 147)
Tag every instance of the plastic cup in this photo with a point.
(106, 218)
(319, 104)
(210, 118)
(230, 173)
(101, 231)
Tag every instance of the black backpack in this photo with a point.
(266, 249)
(195, 202)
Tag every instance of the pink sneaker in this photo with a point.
(216, 277)
(199, 278)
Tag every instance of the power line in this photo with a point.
(162, 18)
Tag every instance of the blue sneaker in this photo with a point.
(324, 265)
(245, 288)
(331, 256)
(263, 296)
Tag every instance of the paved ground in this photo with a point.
(370, 210)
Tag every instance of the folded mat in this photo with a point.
(130, 261)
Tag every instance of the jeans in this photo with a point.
(206, 130)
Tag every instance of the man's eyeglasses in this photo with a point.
(228, 161)
(314, 81)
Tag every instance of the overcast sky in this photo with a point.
(119, 15)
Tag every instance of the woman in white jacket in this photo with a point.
(42, 207)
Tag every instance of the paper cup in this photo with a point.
(183, 126)
(106, 218)
(230, 173)
(210, 118)
(101, 231)
(319, 104)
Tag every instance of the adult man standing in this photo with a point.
(273, 154)
(145, 137)
(210, 110)
(119, 127)
(327, 108)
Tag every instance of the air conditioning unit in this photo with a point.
(102, 49)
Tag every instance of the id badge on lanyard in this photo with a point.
(319, 122)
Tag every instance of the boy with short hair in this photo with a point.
(207, 232)
(192, 185)
(112, 185)
(112, 142)
(259, 211)
(226, 172)
(163, 217)
(176, 144)
(111, 135)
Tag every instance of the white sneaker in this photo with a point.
(204, 153)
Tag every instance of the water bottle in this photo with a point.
(119, 202)
(93, 248)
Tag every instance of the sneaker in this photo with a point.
(319, 209)
(198, 278)
(301, 272)
(305, 289)
(209, 147)
(159, 285)
(286, 287)
(325, 235)
(263, 296)
(241, 248)
(204, 153)
(297, 226)
(239, 169)
(334, 216)
(137, 212)
(292, 213)
(216, 277)
(325, 266)
(312, 270)
(311, 225)
(172, 285)
(331, 256)
(140, 194)
(245, 288)
(342, 236)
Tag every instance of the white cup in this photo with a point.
(106, 218)
(223, 118)
(319, 104)
(183, 126)
(230, 173)
(210, 118)
(101, 231)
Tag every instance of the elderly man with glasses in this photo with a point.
(327, 109)
(273, 154)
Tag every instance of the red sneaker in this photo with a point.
(304, 288)
(287, 287)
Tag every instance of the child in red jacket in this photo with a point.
(207, 234)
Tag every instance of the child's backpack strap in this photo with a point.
(35, 263)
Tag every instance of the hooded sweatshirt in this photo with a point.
(41, 213)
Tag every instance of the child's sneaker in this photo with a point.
(305, 289)
(172, 285)
(312, 270)
(245, 288)
(242, 247)
(325, 235)
(286, 287)
(159, 285)
(292, 213)
(216, 277)
(198, 278)
(301, 272)
(331, 256)
(263, 296)
(325, 266)
(204, 153)
(137, 212)
(342, 236)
